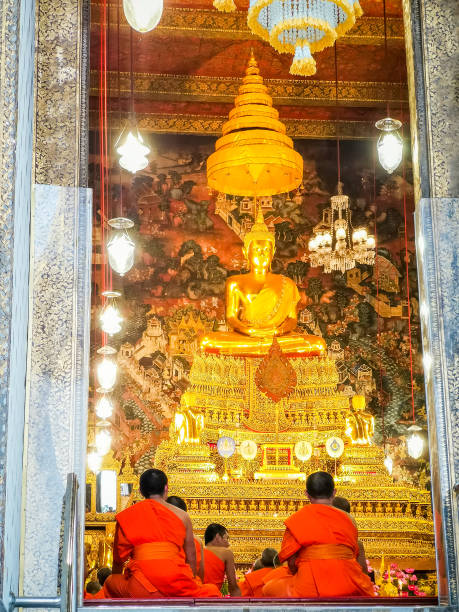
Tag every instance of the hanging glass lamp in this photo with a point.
(94, 461)
(103, 442)
(388, 463)
(390, 144)
(107, 368)
(414, 442)
(132, 149)
(120, 246)
(110, 318)
(143, 15)
(104, 407)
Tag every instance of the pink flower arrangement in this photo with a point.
(403, 580)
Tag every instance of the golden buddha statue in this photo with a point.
(261, 305)
(188, 423)
(360, 424)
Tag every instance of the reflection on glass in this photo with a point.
(88, 497)
(106, 491)
(125, 493)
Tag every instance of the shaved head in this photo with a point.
(320, 485)
(342, 503)
(153, 482)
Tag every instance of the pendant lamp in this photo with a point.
(120, 246)
(143, 15)
(110, 318)
(390, 144)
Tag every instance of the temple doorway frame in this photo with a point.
(51, 429)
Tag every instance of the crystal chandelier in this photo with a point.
(143, 15)
(110, 318)
(299, 27)
(333, 246)
(390, 144)
(120, 246)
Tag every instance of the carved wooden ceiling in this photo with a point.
(187, 71)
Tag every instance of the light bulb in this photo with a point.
(390, 144)
(371, 243)
(143, 15)
(94, 461)
(103, 442)
(340, 233)
(104, 407)
(133, 153)
(120, 247)
(110, 320)
(415, 445)
(389, 464)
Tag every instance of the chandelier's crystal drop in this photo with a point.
(104, 408)
(94, 461)
(121, 247)
(390, 144)
(103, 442)
(133, 152)
(143, 15)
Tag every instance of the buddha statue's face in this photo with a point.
(260, 254)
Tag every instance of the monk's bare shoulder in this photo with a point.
(183, 516)
(349, 516)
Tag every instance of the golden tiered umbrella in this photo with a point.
(254, 157)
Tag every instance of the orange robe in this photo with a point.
(325, 542)
(99, 595)
(214, 569)
(151, 536)
(253, 582)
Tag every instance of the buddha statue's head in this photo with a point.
(259, 244)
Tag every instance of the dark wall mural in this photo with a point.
(189, 242)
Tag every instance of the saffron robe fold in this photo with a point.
(324, 540)
(151, 537)
(214, 569)
(254, 582)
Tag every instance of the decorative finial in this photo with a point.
(259, 231)
(252, 66)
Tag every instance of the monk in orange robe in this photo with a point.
(179, 502)
(219, 559)
(156, 539)
(254, 581)
(321, 549)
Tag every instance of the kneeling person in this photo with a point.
(321, 548)
(156, 539)
(254, 581)
(219, 559)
